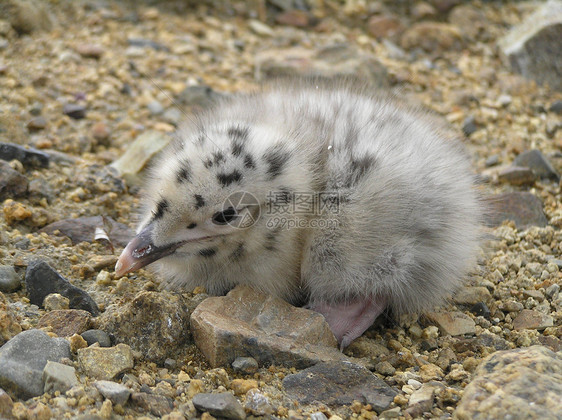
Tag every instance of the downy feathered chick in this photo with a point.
(313, 192)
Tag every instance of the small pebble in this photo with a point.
(245, 365)
(469, 126)
(74, 111)
(9, 280)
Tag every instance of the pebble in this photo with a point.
(9, 279)
(524, 208)
(156, 324)
(28, 156)
(105, 362)
(510, 381)
(492, 161)
(531, 47)
(58, 377)
(260, 28)
(535, 160)
(143, 43)
(421, 400)
(432, 37)
(384, 26)
(74, 111)
(27, 17)
(9, 325)
(556, 107)
(339, 383)
(41, 280)
(223, 404)
(452, 323)
(197, 97)
(139, 153)
(66, 322)
(517, 175)
(174, 116)
(529, 319)
(82, 229)
(97, 336)
(469, 125)
(245, 365)
(296, 18)
(225, 326)
(90, 51)
(23, 358)
(472, 295)
(116, 393)
(242, 386)
(157, 405)
(480, 309)
(258, 404)
(101, 132)
(55, 301)
(37, 123)
(155, 107)
(6, 404)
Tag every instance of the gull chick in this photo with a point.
(319, 193)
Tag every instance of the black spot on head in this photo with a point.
(358, 168)
(218, 158)
(207, 163)
(226, 179)
(238, 252)
(237, 148)
(207, 252)
(184, 173)
(249, 162)
(161, 208)
(238, 134)
(199, 201)
(276, 158)
(271, 239)
(191, 225)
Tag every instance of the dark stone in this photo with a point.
(28, 156)
(97, 336)
(556, 107)
(75, 111)
(469, 126)
(141, 42)
(37, 123)
(12, 183)
(222, 405)
(517, 175)
(41, 280)
(538, 163)
(157, 405)
(82, 229)
(245, 365)
(9, 280)
(477, 343)
(524, 208)
(337, 384)
(480, 309)
(23, 358)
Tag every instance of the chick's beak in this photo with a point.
(140, 251)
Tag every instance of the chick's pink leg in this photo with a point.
(351, 319)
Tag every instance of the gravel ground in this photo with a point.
(80, 81)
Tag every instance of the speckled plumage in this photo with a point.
(402, 232)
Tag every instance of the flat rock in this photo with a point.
(97, 336)
(28, 156)
(524, 383)
(157, 405)
(452, 323)
(66, 322)
(432, 37)
(139, 153)
(58, 377)
(533, 47)
(9, 279)
(339, 383)
(105, 362)
(223, 405)
(330, 61)
(153, 323)
(23, 358)
(524, 208)
(472, 295)
(41, 280)
(116, 393)
(529, 319)
(538, 163)
(74, 111)
(82, 229)
(421, 400)
(517, 175)
(248, 323)
(12, 183)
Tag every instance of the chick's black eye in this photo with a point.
(225, 216)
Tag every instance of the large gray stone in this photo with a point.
(23, 358)
(517, 384)
(222, 405)
(533, 47)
